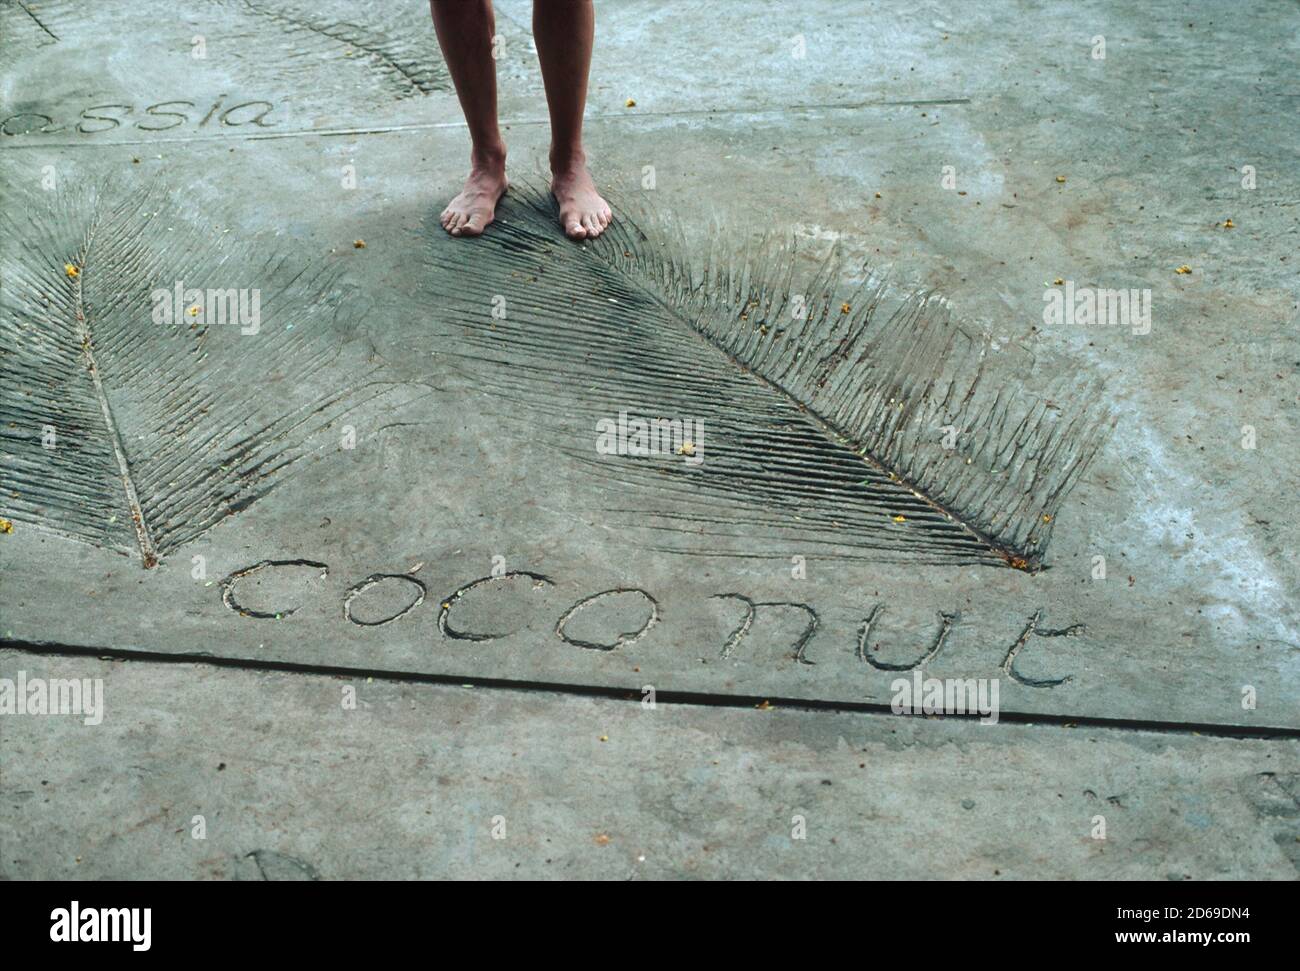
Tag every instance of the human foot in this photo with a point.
(583, 213)
(471, 211)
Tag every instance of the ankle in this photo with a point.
(568, 160)
(490, 156)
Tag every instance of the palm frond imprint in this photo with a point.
(25, 25)
(830, 427)
(294, 43)
(137, 422)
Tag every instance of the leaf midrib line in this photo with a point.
(1015, 558)
(35, 19)
(148, 552)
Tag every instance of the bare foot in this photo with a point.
(471, 211)
(583, 213)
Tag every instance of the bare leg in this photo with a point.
(564, 31)
(465, 30)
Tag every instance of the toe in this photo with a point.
(574, 228)
(457, 220)
(473, 226)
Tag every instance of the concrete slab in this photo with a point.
(283, 782)
(399, 470)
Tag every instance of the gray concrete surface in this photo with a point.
(415, 780)
(305, 129)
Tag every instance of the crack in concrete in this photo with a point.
(634, 694)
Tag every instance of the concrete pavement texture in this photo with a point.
(209, 773)
(972, 330)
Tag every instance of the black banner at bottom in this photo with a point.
(339, 919)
